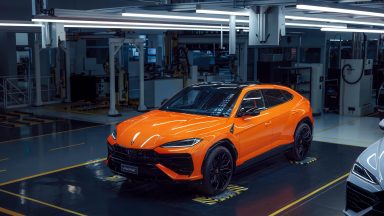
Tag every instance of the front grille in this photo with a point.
(139, 156)
(180, 163)
(359, 199)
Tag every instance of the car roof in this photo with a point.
(240, 85)
(225, 84)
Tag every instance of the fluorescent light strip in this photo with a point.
(197, 18)
(124, 23)
(220, 12)
(142, 27)
(314, 25)
(21, 24)
(161, 16)
(133, 23)
(378, 31)
(303, 18)
(338, 10)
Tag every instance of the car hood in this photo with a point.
(157, 127)
(372, 159)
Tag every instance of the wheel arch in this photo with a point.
(228, 145)
(307, 120)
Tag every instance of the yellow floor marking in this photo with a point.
(309, 195)
(53, 171)
(9, 212)
(41, 202)
(68, 146)
(236, 190)
(43, 135)
(4, 159)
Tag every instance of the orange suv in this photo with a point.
(207, 130)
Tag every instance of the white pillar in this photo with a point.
(57, 73)
(142, 106)
(253, 27)
(221, 37)
(68, 73)
(38, 101)
(112, 90)
(232, 34)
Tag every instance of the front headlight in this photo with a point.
(182, 143)
(114, 134)
(364, 174)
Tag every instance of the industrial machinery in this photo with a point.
(316, 84)
(356, 87)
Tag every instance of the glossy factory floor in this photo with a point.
(64, 174)
(92, 190)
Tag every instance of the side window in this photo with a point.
(288, 96)
(253, 100)
(273, 97)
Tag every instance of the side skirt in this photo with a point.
(265, 156)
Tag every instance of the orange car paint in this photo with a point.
(252, 135)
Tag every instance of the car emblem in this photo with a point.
(132, 141)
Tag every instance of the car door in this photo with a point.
(279, 112)
(253, 132)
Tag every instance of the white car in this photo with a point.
(365, 184)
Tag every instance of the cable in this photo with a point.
(344, 77)
(348, 65)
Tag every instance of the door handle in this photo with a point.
(267, 124)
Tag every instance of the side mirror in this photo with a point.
(248, 111)
(381, 124)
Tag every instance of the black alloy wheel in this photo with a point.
(302, 143)
(218, 171)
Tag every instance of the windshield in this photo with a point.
(204, 100)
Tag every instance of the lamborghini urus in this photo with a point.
(207, 130)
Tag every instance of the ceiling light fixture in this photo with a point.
(143, 27)
(315, 25)
(377, 31)
(124, 23)
(338, 10)
(163, 16)
(180, 17)
(20, 24)
(164, 25)
(317, 19)
(221, 12)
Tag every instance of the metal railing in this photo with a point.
(20, 91)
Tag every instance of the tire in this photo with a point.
(217, 171)
(302, 142)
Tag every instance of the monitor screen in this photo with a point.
(152, 59)
(151, 51)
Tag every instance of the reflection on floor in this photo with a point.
(20, 125)
(99, 117)
(347, 130)
(328, 202)
(271, 185)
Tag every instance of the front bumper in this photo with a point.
(149, 163)
(363, 202)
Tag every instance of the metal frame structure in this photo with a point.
(115, 45)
